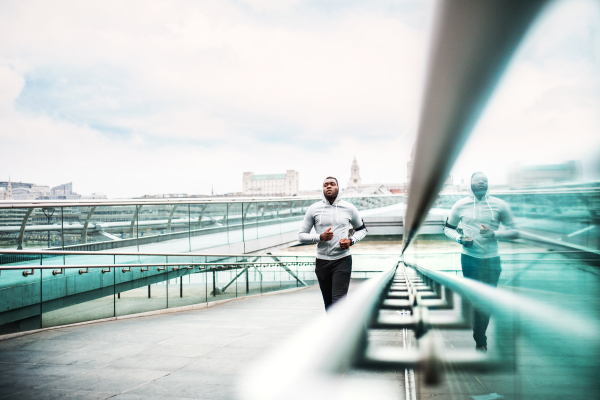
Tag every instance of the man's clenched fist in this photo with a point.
(345, 243)
(327, 235)
(486, 232)
(466, 241)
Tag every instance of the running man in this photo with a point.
(332, 219)
(480, 216)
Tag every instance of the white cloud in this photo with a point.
(546, 108)
(142, 97)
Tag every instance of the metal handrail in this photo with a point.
(8, 204)
(473, 43)
(502, 303)
(104, 253)
(308, 361)
(176, 264)
(315, 357)
(541, 239)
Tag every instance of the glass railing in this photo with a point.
(550, 361)
(413, 324)
(167, 226)
(569, 215)
(50, 288)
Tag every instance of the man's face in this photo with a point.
(330, 188)
(479, 183)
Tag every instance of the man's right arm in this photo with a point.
(451, 225)
(304, 235)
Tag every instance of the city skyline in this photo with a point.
(198, 93)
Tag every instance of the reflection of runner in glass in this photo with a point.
(332, 219)
(480, 216)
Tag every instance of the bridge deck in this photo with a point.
(194, 354)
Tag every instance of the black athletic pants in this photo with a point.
(486, 270)
(334, 278)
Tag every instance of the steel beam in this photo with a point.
(22, 230)
(86, 223)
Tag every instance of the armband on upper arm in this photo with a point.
(360, 228)
(447, 225)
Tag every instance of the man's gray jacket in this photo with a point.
(471, 213)
(340, 216)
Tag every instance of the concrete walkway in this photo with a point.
(194, 354)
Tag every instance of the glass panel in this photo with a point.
(250, 220)
(288, 222)
(250, 282)
(306, 270)
(140, 289)
(234, 223)
(101, 228)
(41, 231)
(20, 291)
(268, 225)
(223, 284)
(270, 278)
(208, 226)
(187, 285)
(79, 259)
(163, 228)
(72, 295)
(286, 279)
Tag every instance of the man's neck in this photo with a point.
(330, 200)
(479, 196)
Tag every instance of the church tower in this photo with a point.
(8, 195)
(354, 181)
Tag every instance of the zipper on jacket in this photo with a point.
(329, 244)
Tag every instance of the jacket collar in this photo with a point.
(335, 202)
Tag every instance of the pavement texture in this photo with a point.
(197, 354)
(202, 354)
(188, 355)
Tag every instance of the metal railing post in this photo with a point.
(214, 283)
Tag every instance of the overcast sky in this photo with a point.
(131, 98)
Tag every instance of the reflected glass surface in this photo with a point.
(553, 266)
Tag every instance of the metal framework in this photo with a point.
(411, 299)
(8, 204)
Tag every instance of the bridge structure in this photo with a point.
(182, 225)
(410, 322)
(109, 259)
(71, 274)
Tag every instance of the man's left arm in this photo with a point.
(506, 218)
(360, 231)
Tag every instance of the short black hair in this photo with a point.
(331, 177)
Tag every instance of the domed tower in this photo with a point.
(354, 181)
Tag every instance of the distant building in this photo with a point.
(61, 192)
(165, 196)
(356, 186)
(31, 191)
(354, 182)
(521, 176)
(23, 191)
(94, 196)
(8, 194)
(64, 189)
(271, 184)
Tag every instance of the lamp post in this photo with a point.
(48, 212)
